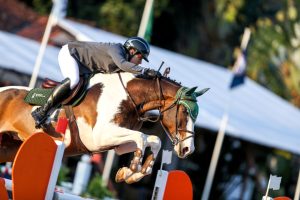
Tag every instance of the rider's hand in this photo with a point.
(152, 73)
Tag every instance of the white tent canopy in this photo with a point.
(255, 114)
(19, 53)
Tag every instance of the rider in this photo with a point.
(77, 58)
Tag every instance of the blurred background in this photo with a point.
(205, 37)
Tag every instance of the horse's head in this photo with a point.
(177, 105)
(178, 116)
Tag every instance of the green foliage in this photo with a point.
(124, 17)
(96, 188)
(63, 174)
(121, 16)
(85, 9)
(272, 57)
(42, 6)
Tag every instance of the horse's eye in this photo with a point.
(185, 112)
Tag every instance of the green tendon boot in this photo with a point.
(59, 94)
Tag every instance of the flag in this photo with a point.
(166, 157)
(275, 182)
(239, 69)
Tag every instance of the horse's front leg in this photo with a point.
(138, 147)
(154, 143)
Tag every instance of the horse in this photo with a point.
(109, 117)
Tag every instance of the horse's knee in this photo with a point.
(125, 148)
(140, 140)
(155, 143)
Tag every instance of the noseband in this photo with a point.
(174, 139)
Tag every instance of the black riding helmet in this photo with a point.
(140, 45)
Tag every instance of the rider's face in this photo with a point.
(137, 58)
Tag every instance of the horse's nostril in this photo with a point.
(184, 150)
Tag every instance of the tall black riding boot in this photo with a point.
(59, 94)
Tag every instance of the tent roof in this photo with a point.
(19, 53)
(255, 113)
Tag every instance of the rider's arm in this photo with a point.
(118, 56)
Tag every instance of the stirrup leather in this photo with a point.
(40, 116)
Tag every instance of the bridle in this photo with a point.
(174, 139)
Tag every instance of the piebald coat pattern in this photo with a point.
(107, 119)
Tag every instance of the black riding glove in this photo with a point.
(152, 73)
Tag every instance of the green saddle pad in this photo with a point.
(38, 96)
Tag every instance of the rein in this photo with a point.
(174, 140)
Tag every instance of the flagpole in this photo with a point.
(215, 157)
(297, 192)
(221, 133)
(56, 12)
(246, 38)
(145, 18)
(41, 52)
(267, 192)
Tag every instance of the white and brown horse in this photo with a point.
(109, 117)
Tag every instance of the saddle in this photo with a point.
(76, 95)
(39, 96)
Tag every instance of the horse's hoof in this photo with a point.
(120, 175)
(134, 178)
(130, 180)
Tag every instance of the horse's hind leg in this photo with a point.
(8, 148)
(8, 155)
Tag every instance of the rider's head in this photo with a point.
(137, 45)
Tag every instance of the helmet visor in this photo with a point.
(145, 55)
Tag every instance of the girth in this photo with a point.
(76, 144)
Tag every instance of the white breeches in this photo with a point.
(68, 66)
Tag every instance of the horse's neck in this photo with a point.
(148, 93)
(151, 94)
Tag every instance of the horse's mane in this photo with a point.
(168, 79)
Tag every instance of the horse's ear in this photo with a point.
(199, 93)
(191, 91)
